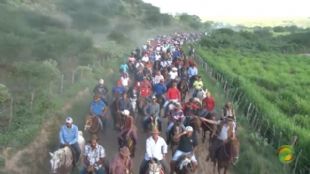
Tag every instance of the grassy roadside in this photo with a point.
(256, 156)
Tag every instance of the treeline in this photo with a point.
(278, 39)
(51, 49)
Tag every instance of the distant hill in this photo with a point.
(251, 22)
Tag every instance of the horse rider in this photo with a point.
(125, 80)
(119, 89)
(176, 116)
(121, 163)
(198, 85)
(225, 131)
(208, 102)
(159, 90)
(157, 78)
(152, 111)
(68, 136)
(94, 158)
(187, 144)
(98, 109)
(101, 89)
(173, 94)
(156, 147)
(173, 74)
(129, 131)
(123, 68)
(124, 103)
(228, 110)
(192, 70)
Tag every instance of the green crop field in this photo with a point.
(276, 83)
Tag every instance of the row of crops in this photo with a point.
(272, 87)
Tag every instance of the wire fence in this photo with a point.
(256, 119)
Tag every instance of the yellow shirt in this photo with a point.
(198, 85)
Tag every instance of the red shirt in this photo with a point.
(209, 103)
(173, 94)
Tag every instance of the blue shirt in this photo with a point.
(124, 67)
(159, 89)
(97, 107)
(68, 135)
(119, 90)
(192, 71)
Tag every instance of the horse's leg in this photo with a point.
(203, 136)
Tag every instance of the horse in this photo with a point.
(183, 88)
(172, 140)
(208, 127)
(129, 142)
(154, 167)
(116, 113)
(184, 165)
(226, 155)
(62, 159)
(92, 124)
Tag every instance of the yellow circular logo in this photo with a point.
(285, 154)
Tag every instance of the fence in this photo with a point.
(255, 118)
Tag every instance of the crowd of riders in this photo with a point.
(159, 81)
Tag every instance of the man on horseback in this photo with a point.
(101, 90)
(186, 147)
(192, 70)
(94, 158)
(208, 102)
(225, 132)
(159, 90)
(151, 113)
(98, 109)
(173, 95)
(157, 78)
(128, 135)
(198, 85)
(156, 147)
(124, 103)
(122, 163)
(68, 136)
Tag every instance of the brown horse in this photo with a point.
(226, 155)
(183, 88)
(211, 128)
(92, 124)
(176, 129)
(116, 115)
(128, 136)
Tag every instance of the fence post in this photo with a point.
(296, 161)
(31, 100)
(73, 77)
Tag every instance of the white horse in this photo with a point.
(61, 159)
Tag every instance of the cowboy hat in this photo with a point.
(189, 129)
(126, 112)
(69, 120)
(124, 151)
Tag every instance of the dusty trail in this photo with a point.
(109, 141)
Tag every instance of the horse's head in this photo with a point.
(88, 124)
(154, 167)
(55, 161)
(186, 165)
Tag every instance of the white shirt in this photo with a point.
(173, 75)
(157, 78)
(155, 150)
(94, 155)
(224, 131)
(157, 57)
(145, 59)
(125, 81)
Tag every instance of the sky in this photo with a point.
(236, 8)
